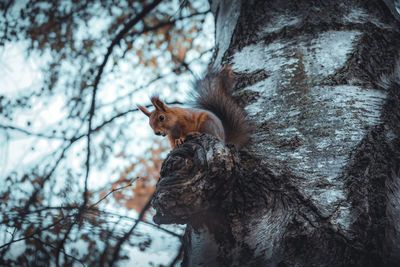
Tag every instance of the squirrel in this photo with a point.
(214, 112)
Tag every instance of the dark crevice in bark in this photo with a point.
(372, 177)
(246, 31)
(247, 79)
(369, 178)
(374, 56)
(315, 18)
(391, 113)
(380, 10)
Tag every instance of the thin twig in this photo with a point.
(134, 219)
(33, 197)
(65, 207)
(33, 234)
(128, 234)
(121, 114)
(112, 191)
(9, 219)
(170, 22)
(60, 246)
(26, 132)
(126, 112)
(68, 207)
(127, 27)
(103, 258)
(66, 254)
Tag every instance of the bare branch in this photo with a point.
(145, 222)
(126, 112)
(60, 246)
(33, 234)
(34, 196)
(24, 131)
(6, 7)
(63, 251)
(121, 114)
(103, 257)
(69, 207)
(80, 212)
(9, 219)
(127, 234)
(112, 191)
(170, 22)
(128, 26)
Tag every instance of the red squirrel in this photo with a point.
(214, 112)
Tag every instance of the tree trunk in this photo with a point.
(319, 184)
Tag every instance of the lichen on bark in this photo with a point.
(318, 185)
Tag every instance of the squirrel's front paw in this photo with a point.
(179, 141)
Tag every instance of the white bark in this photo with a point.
(319, 182)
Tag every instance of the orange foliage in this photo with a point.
(148, 172)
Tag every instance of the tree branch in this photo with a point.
(112, 191)
(33, 234)
(126, 112)
(170, 22)
(115, 41)
(66, 254)
(59, 248)
(33, 197)
(145, 222)
(126, 235)
(81, 211)
(128, 26)
(14, 128)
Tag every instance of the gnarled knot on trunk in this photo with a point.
(195, 177)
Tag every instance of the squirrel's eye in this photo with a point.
(161, 117)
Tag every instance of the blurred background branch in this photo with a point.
(71, 141)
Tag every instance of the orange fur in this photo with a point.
(217, 114)
(177, 122)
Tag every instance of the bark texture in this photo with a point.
(319, 184)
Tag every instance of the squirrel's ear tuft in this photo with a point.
(144, 110)
(158, 103)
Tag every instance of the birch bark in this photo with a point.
(319, 185)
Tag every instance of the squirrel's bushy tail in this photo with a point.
(214, 94)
